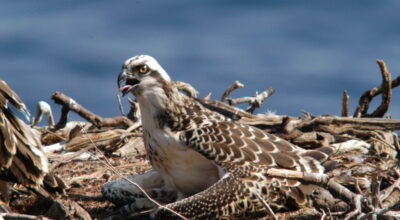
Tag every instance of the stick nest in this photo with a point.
(363, 185)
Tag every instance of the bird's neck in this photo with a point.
(165, 107)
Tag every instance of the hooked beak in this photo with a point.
(130, 83)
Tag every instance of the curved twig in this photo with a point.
(386, 91)
(234, 86)
(384, 88)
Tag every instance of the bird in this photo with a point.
(212, 166)
(22, 160)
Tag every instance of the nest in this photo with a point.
(84, 155)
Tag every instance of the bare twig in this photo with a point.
(63, 117)
(228, 91)
(70, 104)
(375, 189)
(255, 102)
(20, 216)
(208, 96)
(389, 190)
(386, 91)
(330, 124)
(120, 106)
(304, 213)
(345, 104)
(396, 145)
(225, 109)
(323, 215)
(71, 157)
(379, 212)
(385, 88)
(267, 207)
(319, 179)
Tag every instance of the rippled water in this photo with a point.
(310, 51)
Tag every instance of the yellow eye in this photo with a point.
(143, 69)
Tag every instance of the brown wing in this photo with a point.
(226, 199)
(21, 158)
(247, 151)
(8, 95)
(230, 142)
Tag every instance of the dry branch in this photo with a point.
(68, 104)
(304, 213)
(323, 180)
(67, 159)
(345, 104)
(385, 89)
(9, 216)
(255, 102)
(234, 86)
(337, 125)
(222, 108)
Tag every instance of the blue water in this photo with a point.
(310, 51)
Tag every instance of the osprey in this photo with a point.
(210, 166)
(21, 158)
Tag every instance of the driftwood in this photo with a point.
(68, 104)
(385, 89)
(254, 102)
(228, 91)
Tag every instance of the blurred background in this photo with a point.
(310, 51)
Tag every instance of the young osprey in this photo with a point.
(215, 165)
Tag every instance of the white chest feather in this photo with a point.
(181, 167)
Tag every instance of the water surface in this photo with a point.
(310, 51)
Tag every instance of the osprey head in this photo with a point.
(139, 73)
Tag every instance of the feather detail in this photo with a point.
(21, 157)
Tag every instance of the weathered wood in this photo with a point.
(255, 102)
(345, 104)
(68, 104)
(228, 91)
(386, 91)
(386, 87)
(222, 108)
